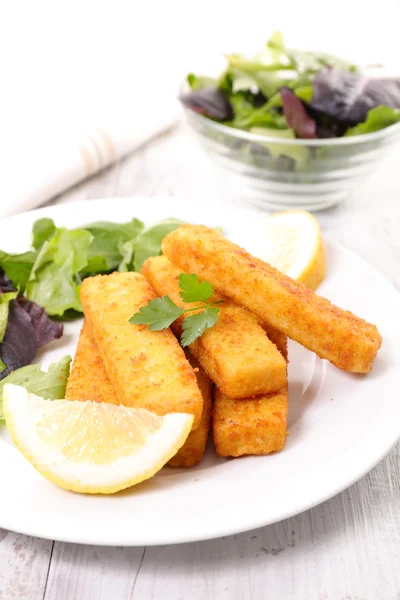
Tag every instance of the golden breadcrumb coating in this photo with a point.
(278, 338)
(250, 426)
(88, 379)
(193, 449)
(147, 369)
(347, 341)
(236, 353)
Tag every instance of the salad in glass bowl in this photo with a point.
(292, 127)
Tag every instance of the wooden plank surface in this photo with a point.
(24, 566)
(347, 548)
(92, 572)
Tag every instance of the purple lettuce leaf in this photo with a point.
(209, 101)
(347, 97)
(28, 328)
(296, 115)
(19, 345)
(46, 329)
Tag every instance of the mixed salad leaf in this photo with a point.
(311, 94)
(49, 385)
(348, 97)
(19, 345)
(52, 282)
(45, 281)
(17, 267)
(376, 116)
(24, 327)
(148, 242)
(50, 274)
(5, 299)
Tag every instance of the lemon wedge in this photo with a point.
(91, 447)
(293, 244)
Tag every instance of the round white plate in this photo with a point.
(340, 425)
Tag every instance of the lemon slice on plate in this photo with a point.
(293, 244)
(91, 447)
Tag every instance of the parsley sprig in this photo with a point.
(160, 313)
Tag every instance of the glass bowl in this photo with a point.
(272, 172)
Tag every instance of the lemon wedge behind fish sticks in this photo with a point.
(90, 447)
(293, 244)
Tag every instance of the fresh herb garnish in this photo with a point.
(195, 325)
(193, 290)
(160, 313)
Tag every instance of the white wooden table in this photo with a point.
(345, 549)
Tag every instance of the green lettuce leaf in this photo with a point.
(247, 115)
(199, 82)
(127, 253)
(5, 300)
(43, 230)
(106, 249)
(18, 267)
(276, 46)
(148, 243)
(378, 118)
(50, 385)
(128, 230)
(257, 73)
(52, 283)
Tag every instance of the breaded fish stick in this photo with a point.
(193, 449)
(88, 379)
(250, 426)
(147, 369)
(236, 353)
(278, 338)
(345, 340)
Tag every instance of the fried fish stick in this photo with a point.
(339, 336)
(193, 449)
(88, 379)
(250, 426)
(147, 369)
(236, 353)
(278, 338)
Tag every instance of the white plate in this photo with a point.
(340, 425)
